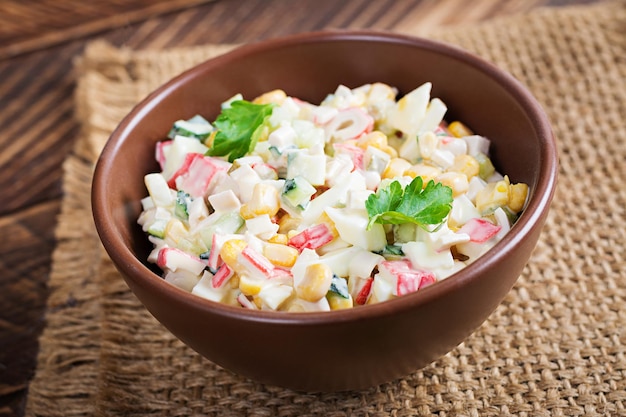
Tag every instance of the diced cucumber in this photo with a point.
(181, 208)
(393, 250)
(197, 127)
(157, 228)
(486, 168)
(339, 286)
(227, 223)
(297, 191)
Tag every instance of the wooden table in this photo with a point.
(39, 41)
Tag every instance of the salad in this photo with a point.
(280, 204)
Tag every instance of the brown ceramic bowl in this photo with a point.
(360, 347)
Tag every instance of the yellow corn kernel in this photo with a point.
(378, 140)
(230, 252)
(465, 164)
(175, 230)
(315, 283)
(265, 200)
(382, 90)
(258, 302)
(427, 172)
(337, 302)
(396, 168)
(280, 255)
(517, 196)
(494, 195)
(459, 130)
(274, 96)
(287, 224)
(279, 238)
(209, 140)
(234, 281)
(250, 286)
(455, 180)
(328, 222)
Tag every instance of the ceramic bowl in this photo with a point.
(359, 347)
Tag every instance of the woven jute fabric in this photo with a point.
(555, 346)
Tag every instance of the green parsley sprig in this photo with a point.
(414, 204)
(236, 127)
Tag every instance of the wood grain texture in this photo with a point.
(39, 126)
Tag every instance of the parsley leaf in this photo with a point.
(393, 205)
(236, 126)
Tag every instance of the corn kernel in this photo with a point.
(315, 283)
(280, 255)
(258, 302)
(378, 140)
(494, 195)
(274, 96)
(465, 164)
(287, 224)
(328, 222)
(231, 250)
(250, 286)
(175, 230)
(459, 130)
(265, 200)
(279, 238)
(455, 180)
(337, 302)
(396, 168)
(517, 197)
(427, 172)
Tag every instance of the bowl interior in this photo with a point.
(310, 66)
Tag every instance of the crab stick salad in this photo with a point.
(280, 204)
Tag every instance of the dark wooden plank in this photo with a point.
(34, 25)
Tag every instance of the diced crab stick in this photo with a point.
(161, 151)
(196, 177)
(255, 263)
(184, 167)
(349, 123)
(404, 278)
(355, 153)
(173, 259)
(222, 276)
(245, 302)
(323, 114)
(218, 240)
(364, 292)
(312, 237)
(479, 230)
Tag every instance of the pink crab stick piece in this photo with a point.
(404, 277)
(350, 123)
(254, 262)
(173, 259)
(356, 154)
(312, 238)
(479, 230)
(161, 150)
(364, 292)
(222, 276)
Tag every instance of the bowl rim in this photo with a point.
(538, 204)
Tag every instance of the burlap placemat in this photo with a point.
(556, 346)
